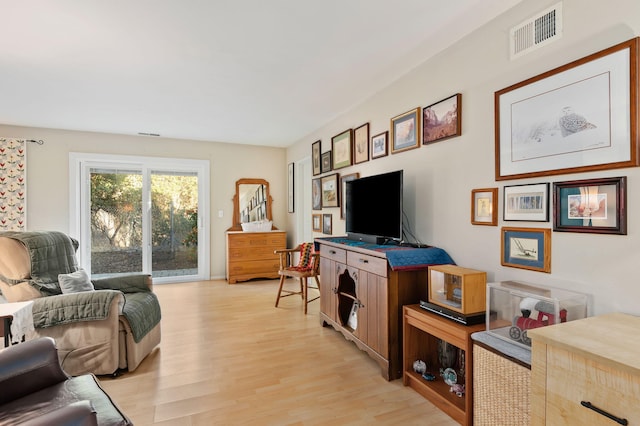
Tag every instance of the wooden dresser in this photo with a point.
(250, 254)
(586, 372)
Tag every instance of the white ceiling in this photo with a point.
(262, 72)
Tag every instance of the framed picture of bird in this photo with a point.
(579, 117)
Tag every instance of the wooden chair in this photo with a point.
(308, 266)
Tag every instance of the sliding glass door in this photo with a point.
(115, 220)
(174, 223)
(141, 214)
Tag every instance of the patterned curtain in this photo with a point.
(13, 184)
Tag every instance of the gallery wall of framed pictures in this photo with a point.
(409, 130)
(579, 125)
(574, 118)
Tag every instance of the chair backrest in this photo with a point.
(306, 260)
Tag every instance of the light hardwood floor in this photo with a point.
(229, 357)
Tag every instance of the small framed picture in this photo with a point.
(330, 194)
(380, 145)
(341, 147)
(442, 120)
(315, 157)
(484, 206)
(526, 202)
(325, 165)
(343, 180)
(526, 248)
(405, 131)
(316, 194)
(316, 222)
(290, 188)
(595, 206)
(326, 223)
(361, 144)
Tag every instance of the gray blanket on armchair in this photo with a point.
(51, 253)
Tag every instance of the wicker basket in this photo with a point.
(501, 390)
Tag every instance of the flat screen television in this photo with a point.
(373, 207)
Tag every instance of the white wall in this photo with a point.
(439, 177)
(48, 173)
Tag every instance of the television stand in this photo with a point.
(362, 297)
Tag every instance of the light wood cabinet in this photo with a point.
(422, 329)
(586, 372)
(251, 254)
(362, 297)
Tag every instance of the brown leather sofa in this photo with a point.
(36, 391)
(85, 344)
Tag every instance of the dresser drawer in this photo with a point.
(255, 253)
(257, 239)
(375, 265)
(266, 267)
(335, 254)
(572, 378)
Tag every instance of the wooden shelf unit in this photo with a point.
(421, 331)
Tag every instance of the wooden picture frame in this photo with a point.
(596, 206)
(343, 180)
(380, 145)
(316, 149)
(442, 120)
(316, 194)
(582, 116)
(341, 145)
(526, 202)
(327, 226)
(330, 192)
(290, 188)
(484, 208)
(405, 131)
(316, 222)
(325, 162)
(361, 144)
(526, 248)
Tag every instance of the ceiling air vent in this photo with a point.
(536, 32)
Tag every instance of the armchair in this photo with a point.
(36, 391)
(112, 328)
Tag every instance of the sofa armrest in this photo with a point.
(29, 367)
(80, 413)
(133, 283)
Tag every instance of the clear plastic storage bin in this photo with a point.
(515, 307)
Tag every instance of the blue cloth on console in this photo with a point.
(402, 258)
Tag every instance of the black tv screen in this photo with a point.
(374, 207)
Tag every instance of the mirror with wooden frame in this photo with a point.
(252, 202)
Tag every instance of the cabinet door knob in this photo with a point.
(332, 252)
(590, 406)
(363, 260)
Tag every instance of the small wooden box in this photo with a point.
(460, 289)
